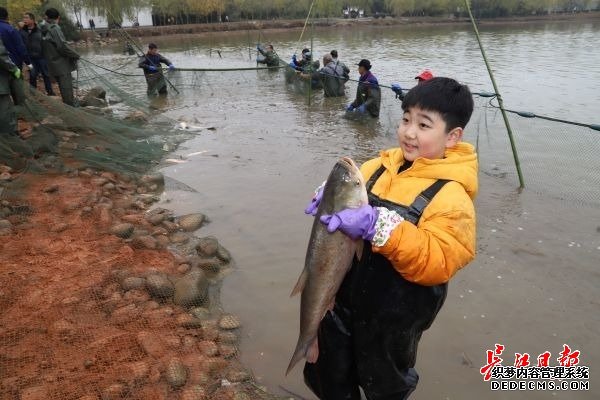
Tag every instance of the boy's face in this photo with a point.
(422, 133)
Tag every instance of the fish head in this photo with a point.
(345, 187)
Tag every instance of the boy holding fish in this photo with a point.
(418, 230)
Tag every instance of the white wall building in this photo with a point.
(144, 18)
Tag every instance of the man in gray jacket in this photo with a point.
(331, 76)
(8, 72)
(62, 59)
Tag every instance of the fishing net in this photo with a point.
(94, 306)
(91, 316)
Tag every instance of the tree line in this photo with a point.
(198, 11)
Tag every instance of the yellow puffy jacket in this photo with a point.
(444, 239)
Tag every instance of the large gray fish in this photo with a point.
(329, 255)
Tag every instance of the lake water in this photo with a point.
(534, 284)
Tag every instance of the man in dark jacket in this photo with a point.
(8, 73)
(62, 59)
(151, 63)
(32, 36)
(368, 92)
(13, 43)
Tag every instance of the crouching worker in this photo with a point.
(418, 230)
(151, 63)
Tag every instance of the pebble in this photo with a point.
(5, 224)
(153, 178)
(227, 337)
(227, 351)
(5, 176)
(188, 321)
(200, 312)
(223, 254)
(170, 226)
(151, 344)
(191, 222)
(122, 230)
(162, 241)
(235, 376)
(183, 268)
(136, 296)
(191, 289)
(133, 282)
(155, 219)
(176, 373)
(210, 264)
(50, 189)
(60, 227)
(195, 392)
(207, 246)
(144, 242)
(208, 348)
(179, 237)
(229, 321)
(159, 286)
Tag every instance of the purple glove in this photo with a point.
(354, 222)
(314, 203)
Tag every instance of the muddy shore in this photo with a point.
(104, 297)
(329, 23)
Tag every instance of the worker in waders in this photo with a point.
(418, 231)
(151, 63)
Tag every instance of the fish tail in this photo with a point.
(299, 353)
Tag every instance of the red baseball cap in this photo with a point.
(425, 75)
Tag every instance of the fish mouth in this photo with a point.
(348, 163)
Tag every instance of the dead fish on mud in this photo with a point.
(175, 161)
(328, 257)
(184, 126)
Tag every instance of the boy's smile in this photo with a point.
(422, 133)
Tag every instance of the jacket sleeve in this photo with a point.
(433, 252)
(164, 60)
(61, 44)
(17, 38)
(5, 62)
(143, 62)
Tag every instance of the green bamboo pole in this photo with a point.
(500, 102)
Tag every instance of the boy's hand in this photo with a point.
(316, 200)
(354, 222)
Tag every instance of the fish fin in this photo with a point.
(302, 350)
(299, 353)
(360, 246)
(300, 284)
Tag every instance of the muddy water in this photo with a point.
(534, 283)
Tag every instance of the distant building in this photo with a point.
(353, 12)
(142, 18)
